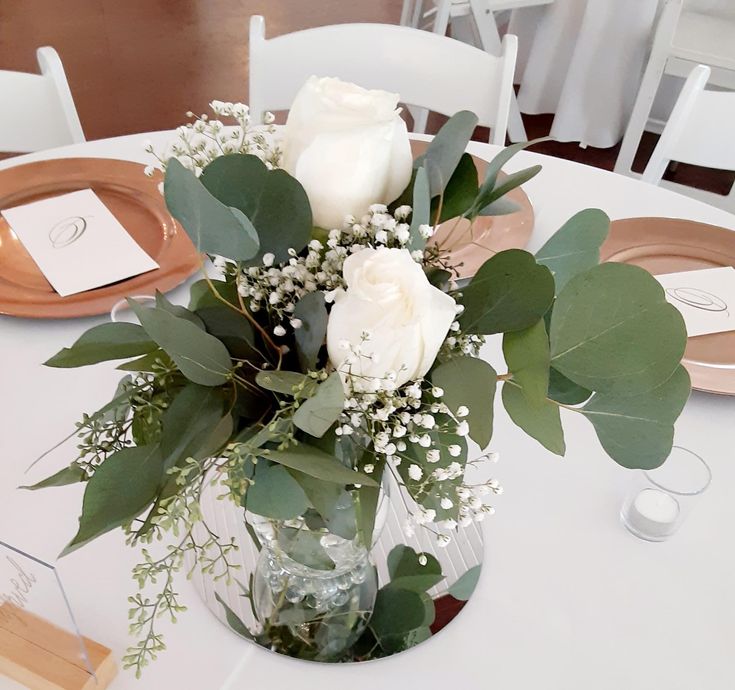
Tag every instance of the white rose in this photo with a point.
(348, 147)
(407, 318)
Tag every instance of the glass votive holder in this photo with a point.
(659, 500)
(121, 311)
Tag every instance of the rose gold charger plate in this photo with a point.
(669, 245)
(132, 198)
(490, 234)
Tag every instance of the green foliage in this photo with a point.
(163, 303)
(464, 586)
(397, 611)
(368, 498)
(188, 422)
(284, 382)
(213, 227)
(638, 431)
(421, 209)
(119, 490)
(334, 505)
(69, 475)
(510, 292)
(102, 343)
(310, 337)
(541, 421)
(460, 191)
(318, 464)
(575, 247)
(564, 391)
(317, 413)
(471, 382)
(613, 331)
(232, 328)
(201, 357)
(275, 493)
(446, 149)
(527, 356)
(201, 294)
(273, 201)
(233, 620)
(305, 547)
(407, 572)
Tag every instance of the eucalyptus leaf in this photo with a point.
(151, 362)
(564, 391)
(273, 201)
(507, 184)
(102, 343)
(275, 493)
(575, 247)
(305, 547)
(613, 331)
(499, 207)
(471, 382)
(527, 356)
(69, 475)
(162, 302)
(316, 463)
(312, 312)
(232, 328)
(201, 294)
(406, 571)
(233, 620)
(446, 149)
(334, 505)
(213, 227)
(463, 587)
(319, 412)
(284, 382)
(201, 357)
(188, 422)
(510, 292)
(420, 210)
(368, 498)
(396, 611)
(638, 431)
(541, 422)
(460, 191)
(118, 491)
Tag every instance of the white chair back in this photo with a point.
(37, 110)
(700, 131)
(427, 70)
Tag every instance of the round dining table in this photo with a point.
(567, 598)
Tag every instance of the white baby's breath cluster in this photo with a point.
(199, 142)
(277, 288)
(408, 428)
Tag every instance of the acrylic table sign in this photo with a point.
(40, 645)
(705, 298)
(77, 243)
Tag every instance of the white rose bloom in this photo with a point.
(348, 147)
(389, 295)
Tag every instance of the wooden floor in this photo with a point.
(140, 65)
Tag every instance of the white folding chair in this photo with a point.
(683, 39)
(700, 131)
(484, 33)
(428, 71)
(38, 110)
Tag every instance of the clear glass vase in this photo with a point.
(313, 590)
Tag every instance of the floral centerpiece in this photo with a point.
(332, 346)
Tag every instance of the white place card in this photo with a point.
(77, 243)
(705, 298)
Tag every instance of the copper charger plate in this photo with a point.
(133, 199)
(490, 234)
(668, 245)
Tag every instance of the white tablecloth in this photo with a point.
(568, 600)
(584, 59)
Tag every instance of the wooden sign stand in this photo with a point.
(42, 656)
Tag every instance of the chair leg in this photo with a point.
(491, 43)
(639, 115)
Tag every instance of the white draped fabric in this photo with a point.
(583, 60)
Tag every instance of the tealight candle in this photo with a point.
(653, 514)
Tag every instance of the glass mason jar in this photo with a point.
(314, 590)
